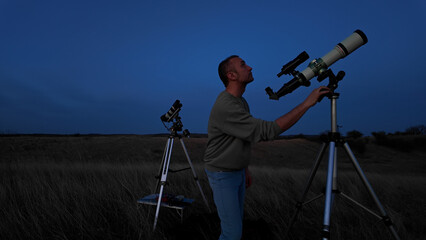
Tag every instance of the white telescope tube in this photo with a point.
(317, 66)
(341, 50)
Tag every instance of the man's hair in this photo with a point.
(224, 68)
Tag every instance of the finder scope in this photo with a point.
(290, 67)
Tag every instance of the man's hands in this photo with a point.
(312, 99)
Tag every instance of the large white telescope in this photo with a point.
(317, 66)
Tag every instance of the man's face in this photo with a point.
(241, 69)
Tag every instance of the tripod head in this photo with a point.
(177, 127)
(333, 82)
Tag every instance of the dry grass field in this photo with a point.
(87, 187)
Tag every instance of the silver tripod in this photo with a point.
(335, 140)
(164, 168)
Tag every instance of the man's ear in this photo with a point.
(231, 76)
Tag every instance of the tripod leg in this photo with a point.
(335, 170)
(328, 191)
(385, 217)
(300, 203)
(164, 172)
(161, 165)
(194, 173)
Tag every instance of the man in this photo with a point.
(231, 130)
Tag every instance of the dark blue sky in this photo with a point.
(117, 66)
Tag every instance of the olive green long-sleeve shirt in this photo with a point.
(231, 130)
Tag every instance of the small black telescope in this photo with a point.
(172, 117)
(317, 66)
(172, 113)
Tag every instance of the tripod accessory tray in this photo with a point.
(178, 202)
(168, 200)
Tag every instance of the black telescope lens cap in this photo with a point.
(363, 36)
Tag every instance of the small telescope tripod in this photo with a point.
(164, 167)
(335, 140)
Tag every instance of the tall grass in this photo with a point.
(98, 201)
(79, 199)
(284, 187)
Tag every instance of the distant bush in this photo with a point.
(402, 143)
(381, 137)
(301, 135)
(416, 130)
(356, 142)
(354, 134)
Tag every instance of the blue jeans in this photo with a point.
(228, 194)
